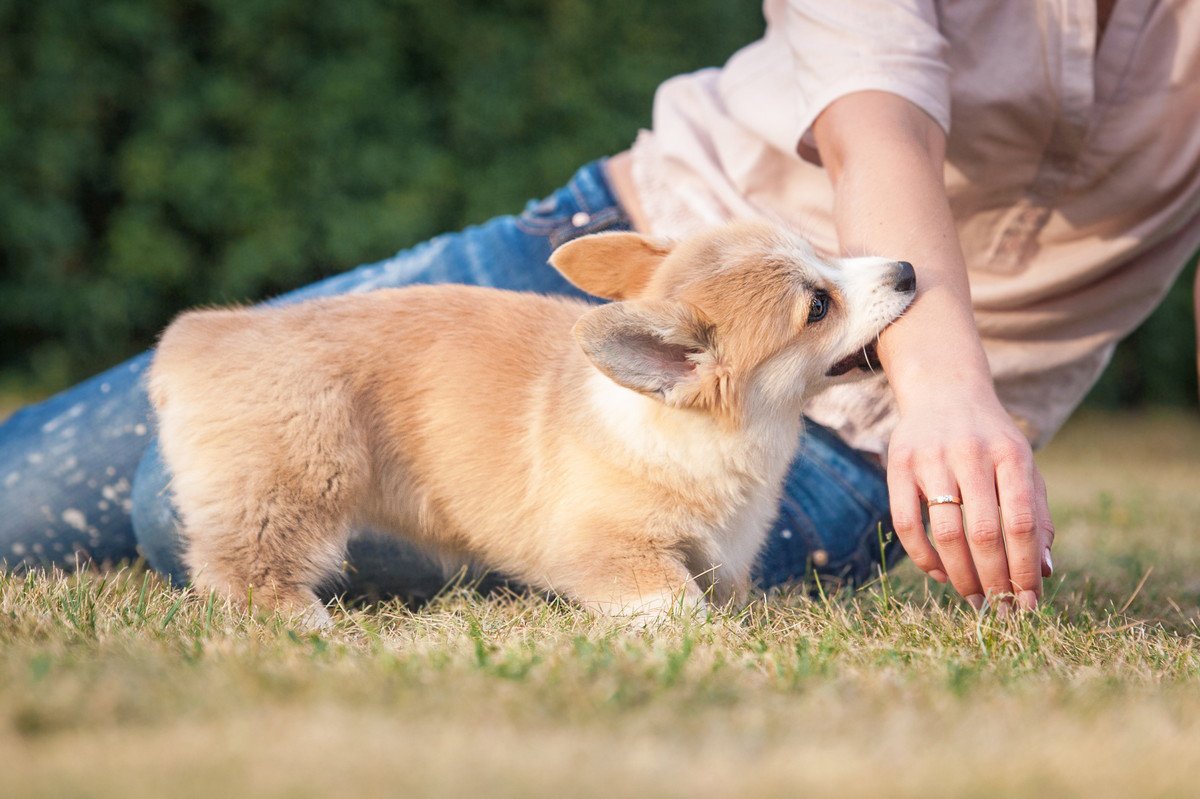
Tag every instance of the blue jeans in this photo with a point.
(81, 477)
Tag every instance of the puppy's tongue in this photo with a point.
(864, 358)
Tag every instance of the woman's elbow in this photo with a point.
(875, 122)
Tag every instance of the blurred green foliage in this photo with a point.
(1157, 364)
(156, 154)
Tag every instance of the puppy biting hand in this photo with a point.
(629, 455)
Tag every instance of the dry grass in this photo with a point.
(113, 685)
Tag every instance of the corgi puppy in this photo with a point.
(627, 455)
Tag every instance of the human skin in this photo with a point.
(885, 159)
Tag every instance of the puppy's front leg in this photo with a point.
(632, 578)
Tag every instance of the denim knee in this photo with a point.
(155, 522)
(832, 515)
(65, 469)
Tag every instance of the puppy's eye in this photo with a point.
(818, 307)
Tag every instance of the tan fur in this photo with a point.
(630, 261)
(628, 456)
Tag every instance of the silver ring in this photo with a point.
(944, 499)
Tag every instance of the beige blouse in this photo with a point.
(1073, 173)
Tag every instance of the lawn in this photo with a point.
(114, 685)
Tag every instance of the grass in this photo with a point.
(114, 685)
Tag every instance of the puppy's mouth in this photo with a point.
(866, 358)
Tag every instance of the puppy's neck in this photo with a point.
(683, 441)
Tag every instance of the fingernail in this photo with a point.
(939, 575)
(1029, 600)
(1049, 561)
(1003, 607)
(976, 601)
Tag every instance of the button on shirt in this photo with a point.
(1073, 172)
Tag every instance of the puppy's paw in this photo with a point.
(314, 618)
(647, 612)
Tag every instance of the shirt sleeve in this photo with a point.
(816, 51)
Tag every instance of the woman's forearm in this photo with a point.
(890, 200)
(953, 439)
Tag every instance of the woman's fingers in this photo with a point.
(985, 537)
(908, 521)
(946, 529)
(1045, 522)
(1022, 526)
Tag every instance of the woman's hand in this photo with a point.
(968, 447)
(885, 159)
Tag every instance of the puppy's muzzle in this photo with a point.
(904, 281)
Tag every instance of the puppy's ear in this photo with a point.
(660, 349)
(615, 266)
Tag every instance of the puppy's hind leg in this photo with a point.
(267, 526)
(268, 550)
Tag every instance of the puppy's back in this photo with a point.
(412, 404)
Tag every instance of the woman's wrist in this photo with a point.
(952, 387)
(934, 353)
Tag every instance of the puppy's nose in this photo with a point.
(906, 277)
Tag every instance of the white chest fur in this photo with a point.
(739, 471)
